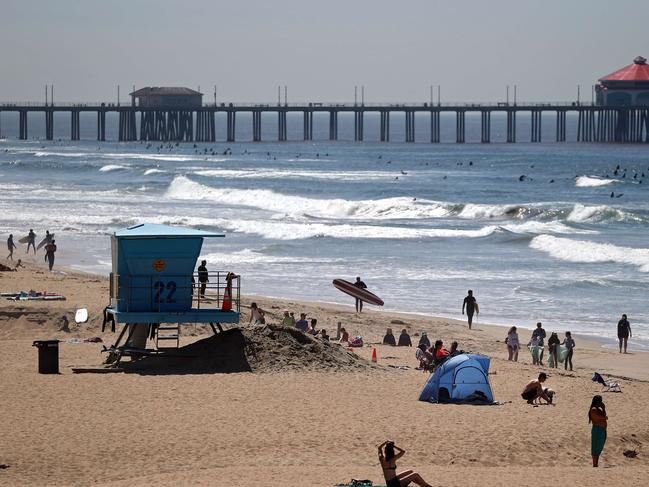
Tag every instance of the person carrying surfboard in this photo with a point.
(471, 306)
(50, 248)
(359, 302)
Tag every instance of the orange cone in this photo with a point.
(227, 300)
(374, 355)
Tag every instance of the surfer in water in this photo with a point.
(471, 306)
(359, 303)
(11, 246)
(50, 249)
(31, 240)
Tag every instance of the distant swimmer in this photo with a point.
(471, 306)
(619, 195)
(612, 194)
(11, 246)
(522, 177)
(361, 285)
(50, 249)
(31, 240)
(403, 172)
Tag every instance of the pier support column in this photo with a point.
(232, 125)
(49, 124)
(410, 126)
(22, 122)
(460, 130)
(101, 125)
(561, 126)
(75, 132)
(536, 126)
(308, 124)
(358, 125)
(256, 126)
(511, 126)
(385, 126)
(333, 125)
(434, 126)
(485, 136)
(281, 126)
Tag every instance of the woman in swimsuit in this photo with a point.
(388, 459)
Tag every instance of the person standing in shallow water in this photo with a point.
(471, 306)
(11, 246)
(623, 332)
(597, 416)
(359, 302)
(32, 240)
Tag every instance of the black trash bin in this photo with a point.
(48, 356)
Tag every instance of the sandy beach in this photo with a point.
(297, 426)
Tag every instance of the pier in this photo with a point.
(595, 123)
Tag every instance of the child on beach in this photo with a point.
(569, 343)
(344, 336)
(512, 344)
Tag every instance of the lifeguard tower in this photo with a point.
(154, 289)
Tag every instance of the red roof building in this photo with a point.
(626, 86)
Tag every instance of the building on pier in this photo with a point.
(625, 87)
(167, 98)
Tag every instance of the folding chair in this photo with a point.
(608, 385)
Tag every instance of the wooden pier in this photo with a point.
(612, 124)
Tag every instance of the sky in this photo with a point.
(396, 50)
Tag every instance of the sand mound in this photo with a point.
(267, 348)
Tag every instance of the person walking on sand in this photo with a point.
(471, 306)
(359, 302)
(623, 332)
(31, 240)
(203, 277)
(11, 246)
(50, 249)
(389, 453)
(569, 343)
(512, 344)
(598, 418)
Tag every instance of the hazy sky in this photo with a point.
(321, 50)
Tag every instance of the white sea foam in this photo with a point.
(584, 251)
(148, 172)
(537, 227)
(112, 167)
(249, 256)
(595, 213)
(264, 173)
(592, 181)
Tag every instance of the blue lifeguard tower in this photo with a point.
(154, 289)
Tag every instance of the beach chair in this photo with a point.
(608, 385)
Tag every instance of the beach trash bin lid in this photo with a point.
(45, 343)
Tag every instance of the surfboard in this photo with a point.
(356, 292)
(81, 315)
(24, 239)
(44, 242)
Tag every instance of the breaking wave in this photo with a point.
(112, 167)
(592, 181)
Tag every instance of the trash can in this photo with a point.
(48, 356)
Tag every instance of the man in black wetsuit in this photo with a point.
(359, 303)
(623, 332)
(203, 277)
(471, 306)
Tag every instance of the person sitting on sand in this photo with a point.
(388, 339)
(404, 339)
(424, 340)
(424, 356)
(311, 330)
(256, 315)
(302, 324)
(19, 264)
(534, 390)
(388, 459)
(454, 351)
(439, 352)
(344, 336)
(288, 320)
(512, 344)
(323, 334)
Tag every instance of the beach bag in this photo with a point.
(536, 352)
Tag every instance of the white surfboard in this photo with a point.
(81, 316)
(44, 242)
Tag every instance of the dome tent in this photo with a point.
(463, 378)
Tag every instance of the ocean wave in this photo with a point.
(592, 181)
(597, 213)
(112, 167)
(582, 251)
(250, 256)
(263, 173)
(148, 172)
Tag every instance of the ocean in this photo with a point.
(531, 228)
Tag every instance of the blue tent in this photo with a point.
(463, 378)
